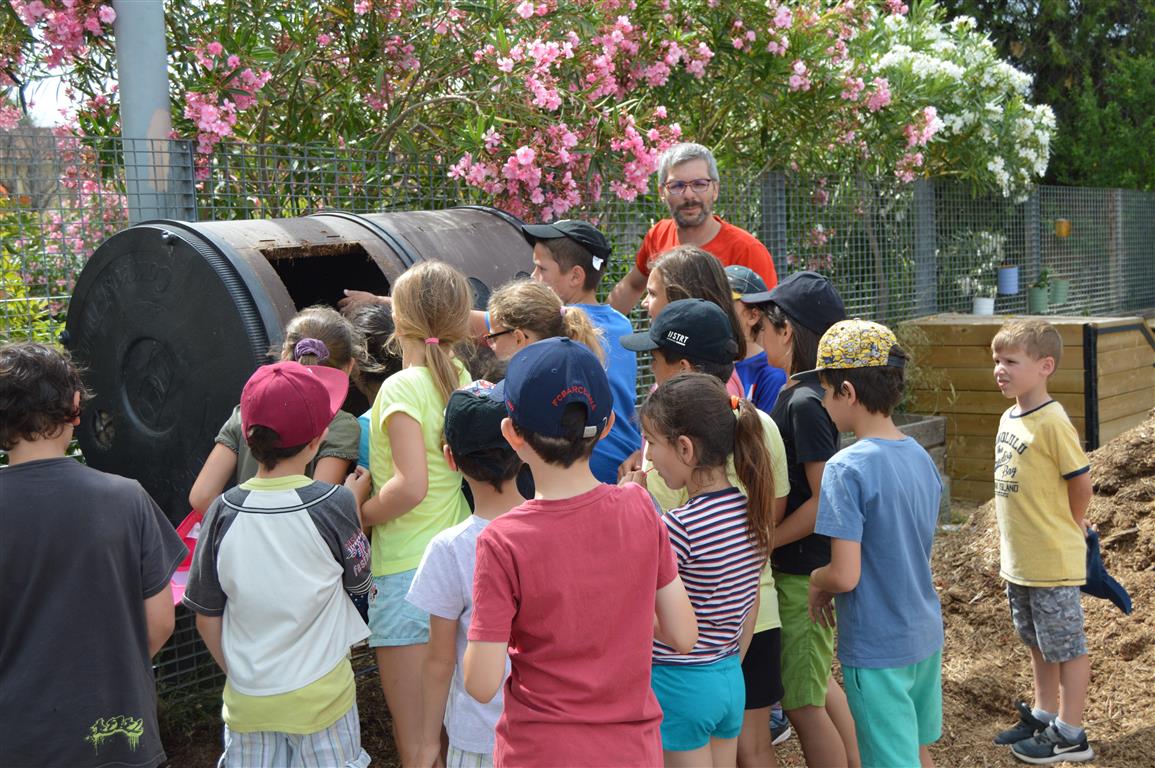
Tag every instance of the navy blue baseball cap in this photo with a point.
(807, 298)
(1099, 582)
(546, 376)
(744, 280)
(695, 329)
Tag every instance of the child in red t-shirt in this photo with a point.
(570, 583)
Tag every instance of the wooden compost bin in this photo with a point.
(1105, 380)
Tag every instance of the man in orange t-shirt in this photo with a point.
(688, 184)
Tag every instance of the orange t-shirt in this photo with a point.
(732, 245)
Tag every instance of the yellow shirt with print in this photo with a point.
(669, 499)
(1036, 453)
(399, 543)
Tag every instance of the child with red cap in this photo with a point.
(268, 581)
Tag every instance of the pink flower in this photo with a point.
(879, 96)
(233, 61)
(107, 14)
(525, 9)
(214, 48)
(525, 155)
(362, 7)
(324, 39)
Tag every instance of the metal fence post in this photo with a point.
(772, 232)
(1033, 236)
(925, 263)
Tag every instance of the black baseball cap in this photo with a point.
(695, 329)
(581, 232)
(808, 298)
(473, 419)
(744, 280)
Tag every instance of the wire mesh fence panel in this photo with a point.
(894, 251)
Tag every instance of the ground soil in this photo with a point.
(985, 667)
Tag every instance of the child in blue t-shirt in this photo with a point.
(879, 504)
(760, 380)
(570, 257)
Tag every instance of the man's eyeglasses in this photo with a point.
(489, 337)
(678, 188)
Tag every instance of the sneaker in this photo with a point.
(780, 729)
(1050, 747)
(1028, 726)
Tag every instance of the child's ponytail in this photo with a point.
(431, 304)
(577, 326)
(753, 465)
(533, 307)
(697, 406)
(320, 335)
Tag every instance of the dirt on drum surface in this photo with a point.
(985, 666)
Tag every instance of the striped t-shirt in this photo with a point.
(719, 565)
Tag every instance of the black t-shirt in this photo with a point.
(80, 550)
(809, 435)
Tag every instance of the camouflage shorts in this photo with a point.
(1050, 619)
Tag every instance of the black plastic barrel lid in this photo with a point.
(168, 334)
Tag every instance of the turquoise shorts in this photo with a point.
(699, 702)
(895, 710)
(393, 620)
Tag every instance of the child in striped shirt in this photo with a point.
(721, 540)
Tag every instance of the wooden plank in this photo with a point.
(1068, 380)
(1121, 340)
(986, 425)
(973, 490)
(980, 335)
(1126, 381)
(957, 357)
(1122, 406)
(981, 402)
(971, 447)
(972, 469)
(1119, 360)
(1110, 430)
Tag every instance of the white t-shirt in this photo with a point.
(443, 586)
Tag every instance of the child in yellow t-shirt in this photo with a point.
(416, 495)
(1042, 489)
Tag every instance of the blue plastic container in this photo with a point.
(1008, 281)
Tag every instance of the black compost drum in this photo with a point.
(170, 318)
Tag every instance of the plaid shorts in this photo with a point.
(1050, 619)
(338, 746)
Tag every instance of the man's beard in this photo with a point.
(688, 220)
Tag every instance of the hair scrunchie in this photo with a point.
(433, 340)
(561, 310)
(734, 400)
(314, 347)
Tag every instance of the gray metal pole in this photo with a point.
(145, 117)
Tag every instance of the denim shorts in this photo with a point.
(393, 620)
(699, 702)
(1050, 619)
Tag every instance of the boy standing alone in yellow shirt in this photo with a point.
(1042, 489)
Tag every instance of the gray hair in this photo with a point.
(684, 153)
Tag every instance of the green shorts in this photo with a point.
(807, 647)
(895, 710)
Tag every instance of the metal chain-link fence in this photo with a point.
(895, 251)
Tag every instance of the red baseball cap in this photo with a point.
(295, 401)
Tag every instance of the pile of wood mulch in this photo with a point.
(986, 667)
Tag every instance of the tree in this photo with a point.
(1094, 62)
(538, 106)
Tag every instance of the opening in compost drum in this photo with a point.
(319, 273)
